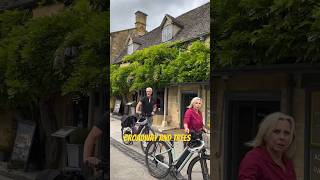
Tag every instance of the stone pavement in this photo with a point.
(133, 153)
(123, 167)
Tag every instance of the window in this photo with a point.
(167, 33)
(130, 48)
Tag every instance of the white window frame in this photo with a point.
(167, 32)
(130, 48)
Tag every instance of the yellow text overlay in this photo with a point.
(161, 137)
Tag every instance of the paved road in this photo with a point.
(126, 161)
(124, 168)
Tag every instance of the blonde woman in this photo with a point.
(193, 117)
(273, 147)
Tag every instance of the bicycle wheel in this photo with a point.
(158, 159)
(199, 168)
(125, 131)
(144, 144)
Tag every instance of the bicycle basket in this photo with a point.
(128, 121)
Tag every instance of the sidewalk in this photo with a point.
(115, 135)
(123, 167)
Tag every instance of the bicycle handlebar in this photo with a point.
(146, 115)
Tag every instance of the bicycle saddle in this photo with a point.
(196, 145)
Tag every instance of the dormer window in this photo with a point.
(130, 48)
(167, 32)
(133, 45)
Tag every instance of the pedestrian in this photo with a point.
(273, 148)
(193, 120)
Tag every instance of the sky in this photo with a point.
(122, 11)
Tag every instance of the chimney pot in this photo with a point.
(141, 19)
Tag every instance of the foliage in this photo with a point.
(160, 65)
(191, 65)
(60, 54)
(90, 67)
(120, 79)
(151, 60)
(265, 32)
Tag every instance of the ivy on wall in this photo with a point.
(46, 56)
(250, 32)
(160, 65)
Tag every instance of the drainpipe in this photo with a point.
(178, 103)
(202, 94)
(165, 106)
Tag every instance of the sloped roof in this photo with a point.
(174, 21)
(194, 23)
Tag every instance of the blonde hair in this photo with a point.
(149, 88)
(266, 127)
(193, 101)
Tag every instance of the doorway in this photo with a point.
(186, 98)
(243, 122)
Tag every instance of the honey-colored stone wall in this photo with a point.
(118, 42)
(258, 83)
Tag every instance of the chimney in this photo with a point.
(141, 19)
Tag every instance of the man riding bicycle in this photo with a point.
(147, 105)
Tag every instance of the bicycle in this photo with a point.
(160, 161)
(141, 126)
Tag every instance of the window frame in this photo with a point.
(130, 49)
(167, 32)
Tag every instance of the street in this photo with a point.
(127, 161)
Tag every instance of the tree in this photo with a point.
(158, 66)
(152, 61)
(47, 57)
(249, 32)
(191, 65)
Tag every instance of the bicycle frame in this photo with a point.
(182, 160)
(144, 126)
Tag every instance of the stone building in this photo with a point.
(173, 99)
(118, 39)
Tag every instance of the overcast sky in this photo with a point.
(122, 11)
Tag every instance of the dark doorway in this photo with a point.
(242, 125)
(186, 98)
(80, 112)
